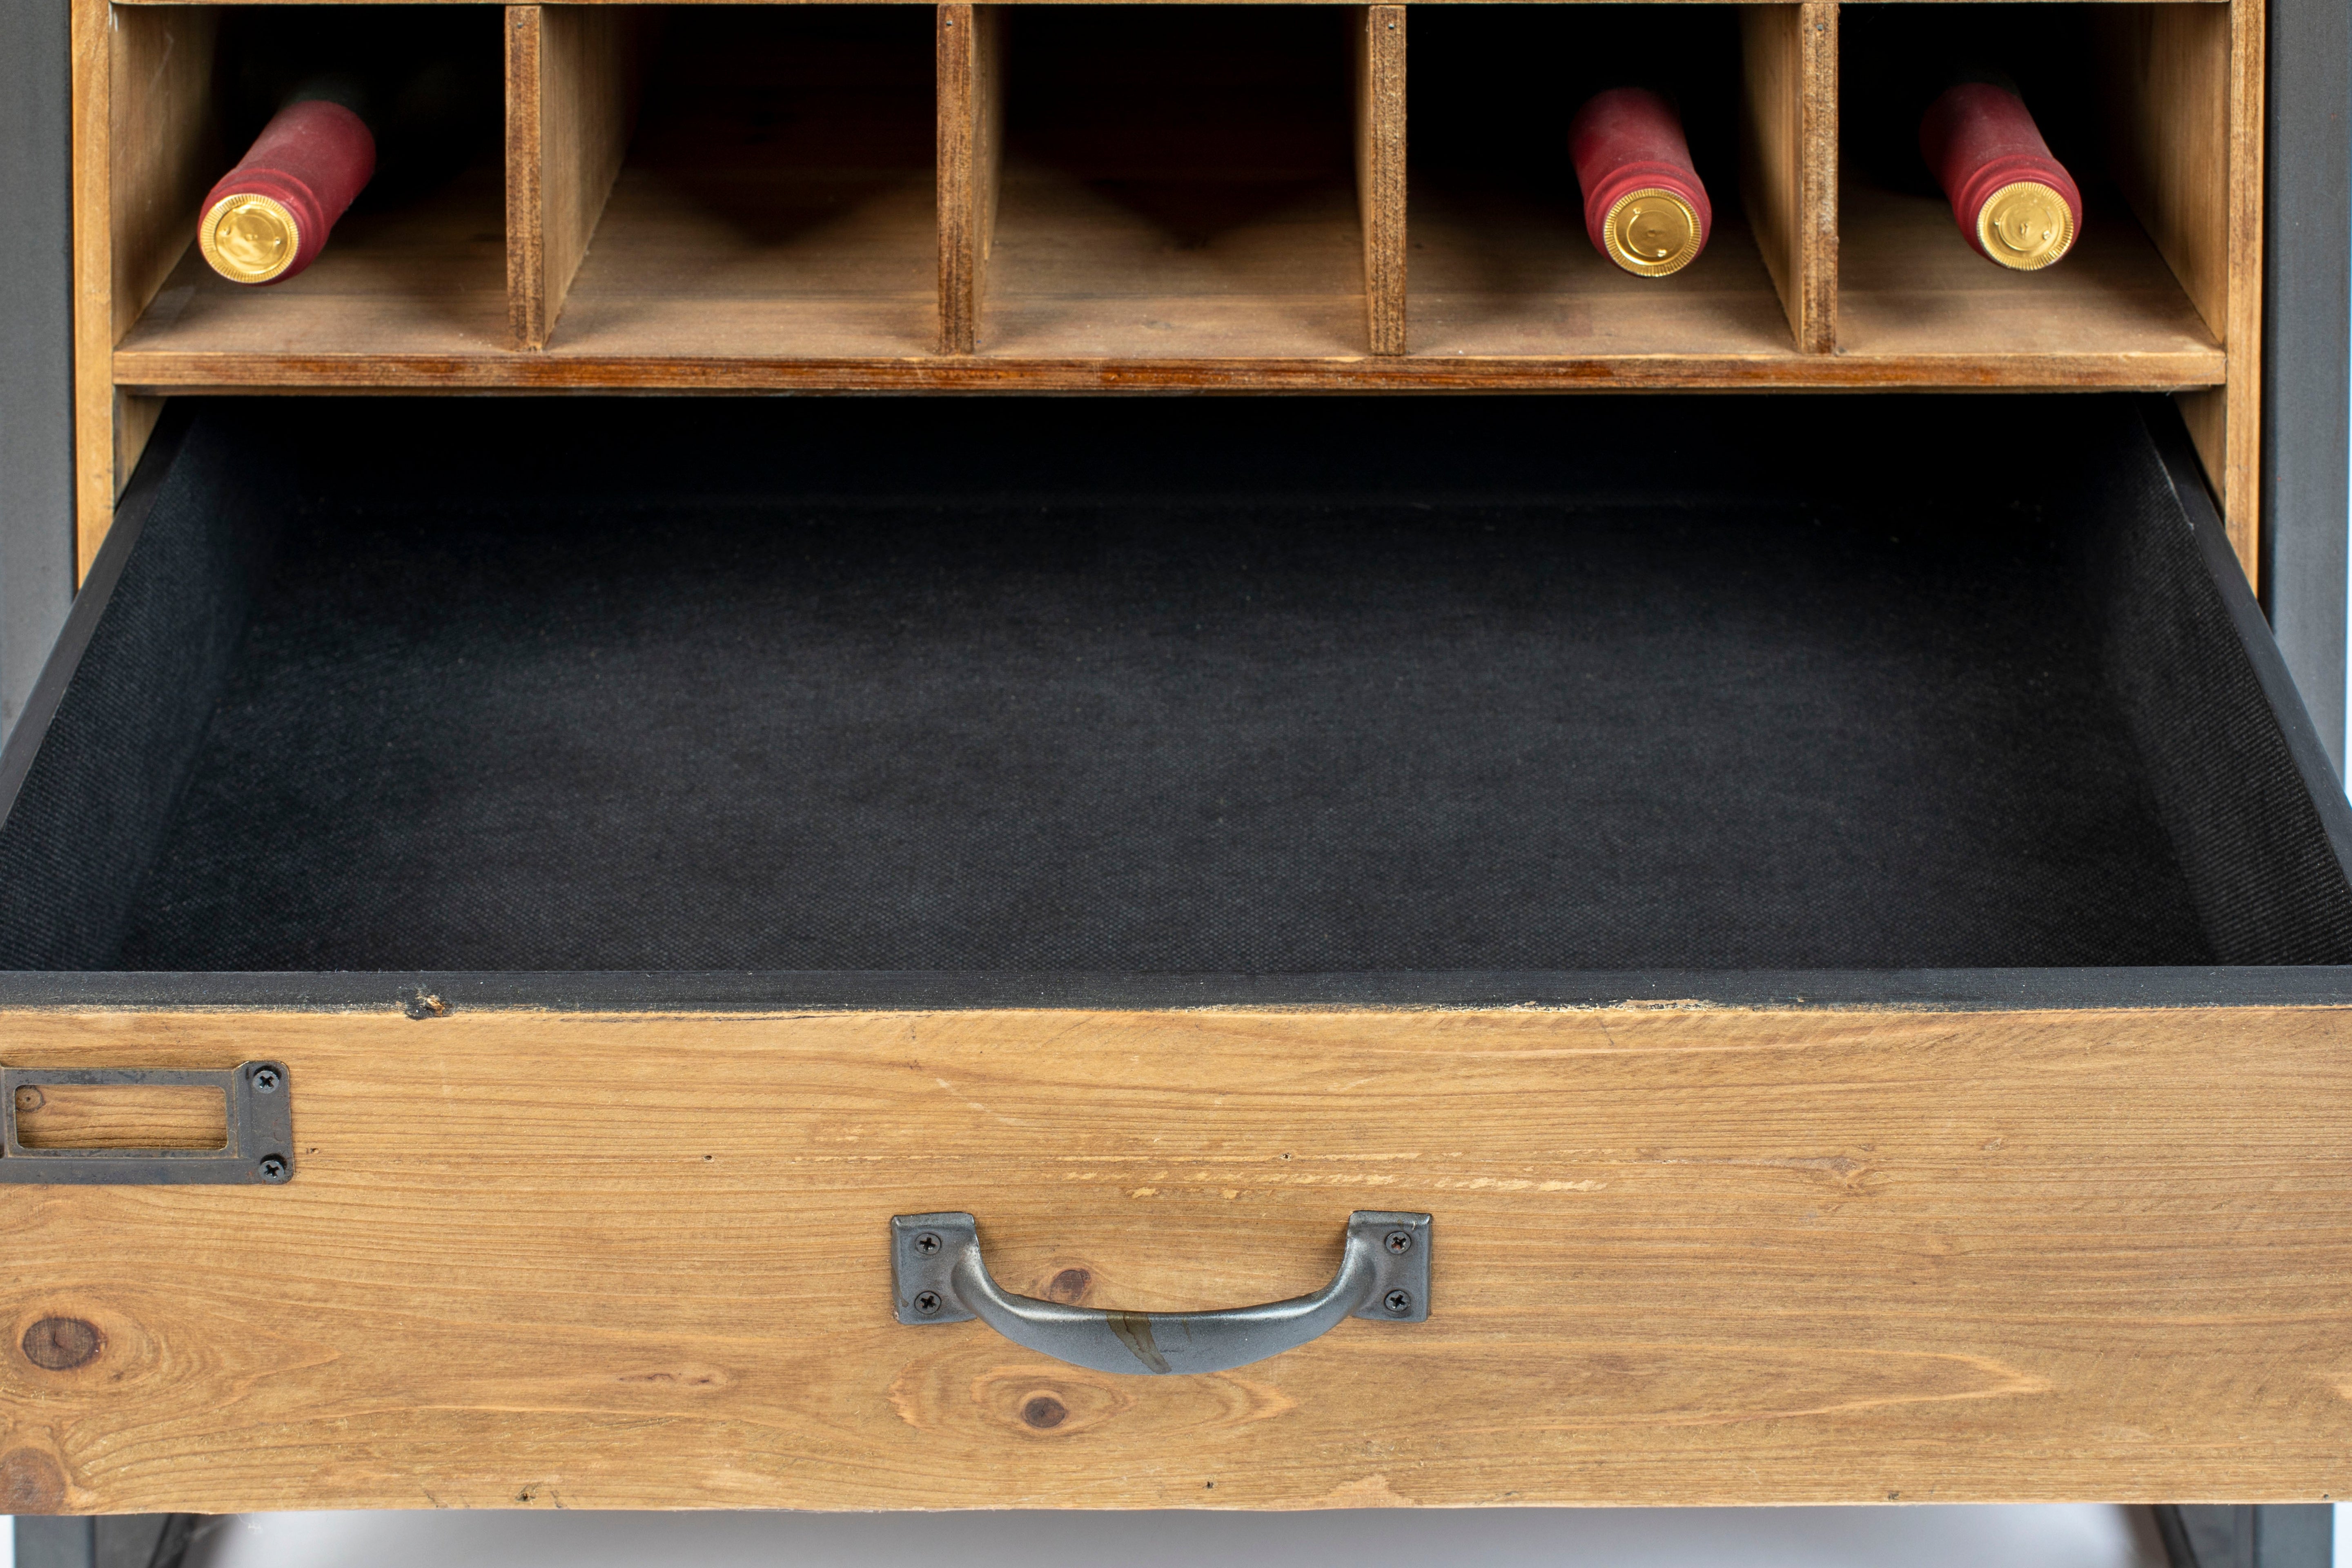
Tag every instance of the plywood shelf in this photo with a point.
(424, 280)
(1911, 288)
(770, 274)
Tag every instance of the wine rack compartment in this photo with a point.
(1177, 181)
(415, 272)
(842, 197)
(1501, 267)
(775, 203)
(1910, 286)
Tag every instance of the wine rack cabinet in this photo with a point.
(1166, 198)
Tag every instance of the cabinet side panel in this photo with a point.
(37, 395)
(2242, 480)
(145, 149)
(2183, 91)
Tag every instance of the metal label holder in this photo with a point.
(258, 1150)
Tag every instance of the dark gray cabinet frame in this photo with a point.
(2307, 478)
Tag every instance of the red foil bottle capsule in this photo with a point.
(269, 216)
(1646, 207)
(2017, 204)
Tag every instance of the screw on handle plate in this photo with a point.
(938, 1277)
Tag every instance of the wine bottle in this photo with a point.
(348, 106)
(1646, 207)
(267, 218)
(2016, 203)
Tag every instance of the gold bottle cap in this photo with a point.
(1651, 233)
(248, 238)
(2026, 226)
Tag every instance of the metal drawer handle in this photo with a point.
(937, 1277)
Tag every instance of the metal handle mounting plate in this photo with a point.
(260, 1149)
(937, 1277)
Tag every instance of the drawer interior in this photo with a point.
(1202, 688)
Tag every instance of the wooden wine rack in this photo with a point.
(913, 251)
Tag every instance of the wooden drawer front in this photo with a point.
(1687, 1254)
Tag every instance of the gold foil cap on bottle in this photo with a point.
(2026, 226)
(1651, 233)
(248, 238)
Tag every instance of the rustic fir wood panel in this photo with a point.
(1683, 1255)
(1378, 103)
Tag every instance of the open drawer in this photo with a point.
(1847, 963)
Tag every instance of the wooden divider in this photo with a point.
(971, 157)
(1789, 159)
(1379, 112)
(571, 75)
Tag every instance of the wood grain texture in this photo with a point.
(1683, 1255)
(972, 160)
(571, 73)
(1378, 102)
(122, 1116)
(1789, 160)
(145, 150)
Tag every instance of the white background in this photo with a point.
(2057, 1536)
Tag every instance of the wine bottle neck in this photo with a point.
(345, 88)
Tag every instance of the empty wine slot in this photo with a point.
(1504, 259)
(147, 1126)
(122, 1116)
(1178, 181)
(774, 202)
